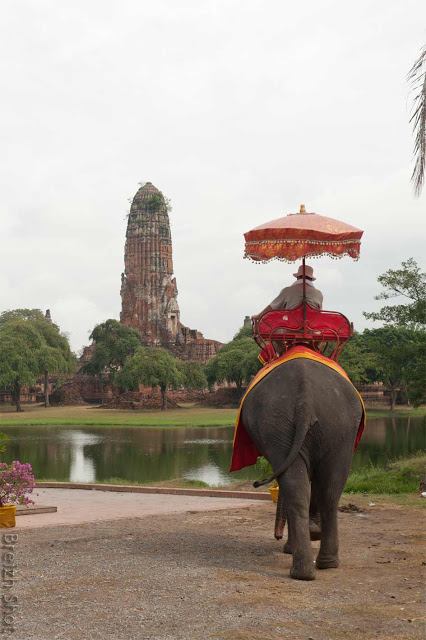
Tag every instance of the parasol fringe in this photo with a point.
(256, 259)
(301, 241)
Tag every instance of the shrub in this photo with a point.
(16, 480)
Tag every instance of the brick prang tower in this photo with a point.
(148, 289)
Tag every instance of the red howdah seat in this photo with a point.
(286, 327)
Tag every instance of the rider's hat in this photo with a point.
(309, 272)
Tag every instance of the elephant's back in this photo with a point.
(304, 380)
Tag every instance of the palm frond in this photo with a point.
(417, 77)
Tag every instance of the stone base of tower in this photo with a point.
(192, 345)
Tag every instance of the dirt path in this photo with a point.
(220, 576)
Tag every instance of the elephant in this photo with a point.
(303, 417)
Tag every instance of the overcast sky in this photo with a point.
(238, 110)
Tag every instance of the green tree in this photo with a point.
(399, 348)
(398, 355)
(21, 314)
(193, 376)
(245, 332)
(358, 360)
(236, 362)
(415, 370)
(19, 347)
(114, 343)
(417, 78)
(408, 282)
(55, 355)
(153, 367)
(31, 347)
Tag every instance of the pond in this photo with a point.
(147, 455)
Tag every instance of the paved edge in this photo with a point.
(203, 493)
(34, 510)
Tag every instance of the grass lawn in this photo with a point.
(400, 412)
(400, 476)
(185, 416)
(192, 416)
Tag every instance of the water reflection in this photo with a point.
(82, 466)
(209, 473)
(151, 455)
(207, 441)
(388, 438)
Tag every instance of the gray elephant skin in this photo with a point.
(303, 417)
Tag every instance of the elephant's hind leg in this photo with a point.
(295, 485)
(314, 515)
(328, 556)
(314, 524)
(332, 479)
(314, 529)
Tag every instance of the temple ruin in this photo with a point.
(148, 286)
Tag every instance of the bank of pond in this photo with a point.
(153, 454)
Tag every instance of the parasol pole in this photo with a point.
(302, 211)
(304, 299)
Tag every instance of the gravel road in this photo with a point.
(218, 575)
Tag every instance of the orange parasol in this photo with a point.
(302, 235)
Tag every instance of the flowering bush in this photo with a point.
(16, 480)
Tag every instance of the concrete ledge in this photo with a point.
(22, 510)
(204, 493)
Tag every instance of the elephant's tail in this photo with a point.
(280, 517)
(302, 427)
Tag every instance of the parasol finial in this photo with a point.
(302, 208)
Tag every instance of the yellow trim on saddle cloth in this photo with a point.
(294, 353)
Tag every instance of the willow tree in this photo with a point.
(31, 347)
(55, 356)
(20, 344)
